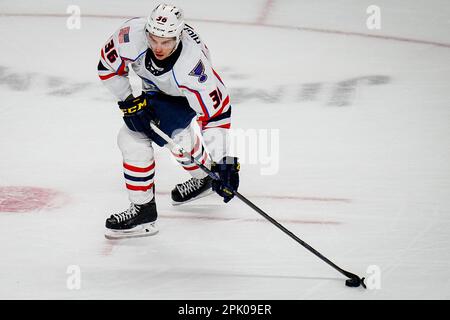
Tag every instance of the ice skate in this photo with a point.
(137, 221)
(191, 190)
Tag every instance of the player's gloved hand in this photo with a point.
(137, 113)
(228, 170)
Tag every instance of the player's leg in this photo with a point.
(139, 168)
(200, 184)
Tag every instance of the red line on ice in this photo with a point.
(267, 7)
(212, 218)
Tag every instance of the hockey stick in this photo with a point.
(352, 281)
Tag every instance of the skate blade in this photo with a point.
(145, 230)
(201, 195)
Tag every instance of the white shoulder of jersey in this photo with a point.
(189, 57)
(126, 45)
(131, 40)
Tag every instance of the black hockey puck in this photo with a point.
(353, 282)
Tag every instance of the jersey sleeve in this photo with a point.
(113, 68)
(208, 96)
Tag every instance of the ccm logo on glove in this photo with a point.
(133, 106)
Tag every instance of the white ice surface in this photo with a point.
(364, 174)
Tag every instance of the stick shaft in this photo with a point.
(250, 204)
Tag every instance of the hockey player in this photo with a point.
(178, 84)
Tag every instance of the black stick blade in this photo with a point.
(355, 282)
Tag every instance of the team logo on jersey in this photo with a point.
(199, 71)
(124, 35)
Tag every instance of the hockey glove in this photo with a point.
(137, 114)
(228, 170)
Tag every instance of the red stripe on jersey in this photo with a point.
(121, 70)
(138, 169)
(107, 76)
(139, 188)
(217, 75)
(203, 121)
(224, 104)
(199, 98)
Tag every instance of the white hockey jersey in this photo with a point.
(190, 75)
